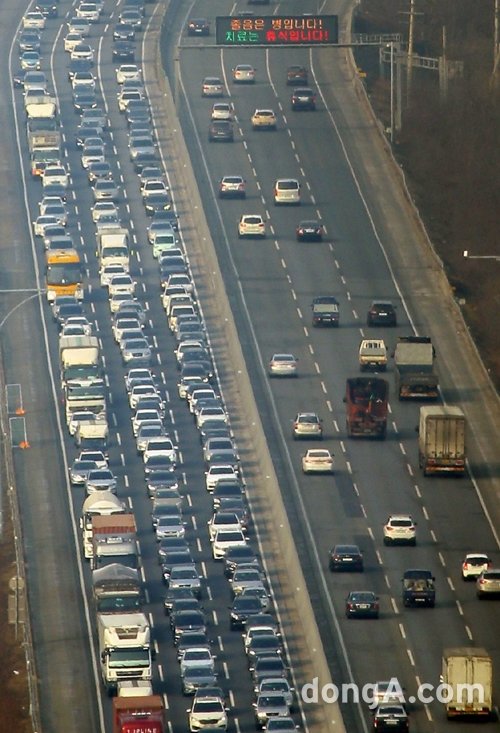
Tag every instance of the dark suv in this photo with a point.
(418, 588)
(381, 313)
(303, 98)
(221, 131)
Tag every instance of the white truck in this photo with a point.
(78, 350)
(45, 148)
(124, 648)
(92, 435)
(113, 248)
(441, 440)
(40, 105)
(114, 541)
(468, 672)
(99, 504)
(88, 398)
(372, 355)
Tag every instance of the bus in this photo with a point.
(63, 274)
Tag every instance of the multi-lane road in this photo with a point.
(270, 285)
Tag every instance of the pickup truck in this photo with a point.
(372, 355)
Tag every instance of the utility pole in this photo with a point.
(409, 65)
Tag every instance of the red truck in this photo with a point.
(366, 407)
(138, 714)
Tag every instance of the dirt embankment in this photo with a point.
(449, 147)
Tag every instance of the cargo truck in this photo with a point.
(40, 105)
(92, 435)
(78, 351)
(90, 398)
(366, 407)
(138, 715)
(114, 541)
(441, 440)
(113, 248)
(372, 355)
(99, 504)
(124, 648)
(117, 589)
(415, 375)
(44, 147)
(468, 672)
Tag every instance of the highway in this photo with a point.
(277, 279)
(273, 282)
(90, 709)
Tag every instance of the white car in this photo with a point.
(223, 520)
(103, 208)
(212, 87)
(287, 191)
(80, 321)
(71, 40)
(251, 225)
(400, 528)
(42, 222)
(82, 51)
(94, 455)
(244, 74)
(207, 711)
(161, 447)
(89, 11)
(474, 564)
(222, 111)
(83, 79)
(142, 415)
(139, 392)
(282, 365)
(34, 19)
(196, 657)
(219, 473)
(264, 119)
(224, 539)
(317, 460)
(210, 413)
(109, 271)
(55, 173)
(128, 72)
(121, 284)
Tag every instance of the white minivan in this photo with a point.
(287, 191)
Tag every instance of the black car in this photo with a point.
(18, 78)
(296, 75)
(123, 51)
(77, 65)
(243, 555)
(309, 230)
(161, 479)
(123, 32)
(83, 133)
(226, 488)
(382, 313)
(188, 621)
(68, 311)
(157, 202)
(346, 557)
(174, 594)
(268, 668)
(48, 8)
(243, 609)
(221, 131)
(29, 40)
(303, 98)
(361, 604)
(389, 717)
(84, 100)
(169, 559)
(198, 27)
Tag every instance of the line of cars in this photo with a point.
(228, 527)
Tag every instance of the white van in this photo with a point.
(287, 191)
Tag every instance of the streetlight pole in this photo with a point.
(35, 293)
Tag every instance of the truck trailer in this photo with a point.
(468, 672)
(366, 407)
(114, 541)
(99, 504)
(441, 440)
(415, 374)
(144, 714)
(117, 589)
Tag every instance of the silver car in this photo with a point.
(136, 350)
(79, 471)
(100, 479)
(488, 583)
(270, 705)
(282, 365)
